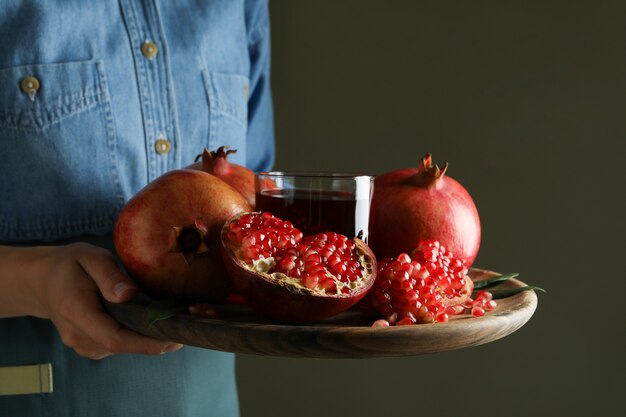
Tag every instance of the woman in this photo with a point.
(97, 99)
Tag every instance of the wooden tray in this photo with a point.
(347, 335)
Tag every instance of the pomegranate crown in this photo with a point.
(216, 161)
(221, 152)
(427, 168)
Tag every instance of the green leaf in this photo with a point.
(507, 292)
(164, 309)
(492, 282)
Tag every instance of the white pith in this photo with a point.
(263, 265)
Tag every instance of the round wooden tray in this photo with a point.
(347, 335)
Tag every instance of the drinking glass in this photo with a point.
(318, 201)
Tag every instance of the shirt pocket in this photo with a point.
(228, 112)
(58, 159)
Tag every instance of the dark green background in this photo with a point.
(526, 100)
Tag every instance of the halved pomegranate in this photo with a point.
(294, 278)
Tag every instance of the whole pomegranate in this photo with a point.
(237, 176)
(413, 204)
(167, 235)
(294, 278)
(430, 285)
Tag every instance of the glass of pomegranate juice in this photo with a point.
(318, 202)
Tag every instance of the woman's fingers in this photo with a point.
(99, 264)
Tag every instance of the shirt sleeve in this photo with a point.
(260, 137)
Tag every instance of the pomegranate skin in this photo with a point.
(287, 303)
(413, 204)
(144, 235)
(237, 176)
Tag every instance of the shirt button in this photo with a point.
(149, 49)
(162, 146)
(29, 85)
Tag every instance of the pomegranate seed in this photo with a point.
(319, 269)
(484, 295)
(327, 284)
(326, 251)
(428, 318)
(478, 311)
(457, 283)
(334, 260)
(310, 281)
(287, 264)
(404, 258)
(401, 275)
(341, 246)
(251, 252)
(442, 317)
(354, 265)
(308, 266)
(459, 309)
(406, 320)
(339, 268)
(490, 305)
(380, 323)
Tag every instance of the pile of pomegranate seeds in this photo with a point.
(327, 262)
(429, 286)
(484, 302)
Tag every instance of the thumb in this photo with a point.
(114, 285)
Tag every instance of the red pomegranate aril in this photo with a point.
(354, 265)
(310, 281)
(327, 284)
(326, 251)
(287, 264)
(429, 283)
(441, 317)
(408, 319)
(490, 305)
(458, 283)
(403, 258)
(484, 295)
(334, 259)
(478, 311)
(380, 323)
(426, 316)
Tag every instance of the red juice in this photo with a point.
(314, 211)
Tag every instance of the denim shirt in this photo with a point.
(97, 99)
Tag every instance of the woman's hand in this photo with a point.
(63, 284)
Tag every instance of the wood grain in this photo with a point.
(347, 335)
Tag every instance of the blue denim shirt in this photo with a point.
(121, 92)
(98, 98)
